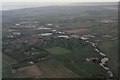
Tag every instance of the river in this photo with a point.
(103, 60)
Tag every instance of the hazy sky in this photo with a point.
(60, 0)
(18, 4)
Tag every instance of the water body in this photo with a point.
(103, 60)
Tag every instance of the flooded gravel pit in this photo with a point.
(103, 60)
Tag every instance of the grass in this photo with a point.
(6, 62)
(6, 71)
(79, 55)
(53, 69)
(58, 50)
(110, 48)
(8, 59)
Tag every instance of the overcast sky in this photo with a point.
(60, 0)
(18, 4)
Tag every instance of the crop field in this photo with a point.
(58, 50)
(31, 70)
(22, 75)
(60, 41)
(75, 60)
(54, 69)
(6, 71)
(6, 61)
(112, 52)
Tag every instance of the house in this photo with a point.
(10, 36)
(107, 21)
(88, 36)
(17, 24)
(46, 34)
(49, 24)
(75, 36)
(43, 28)
(54, 30)
(63, 36)
(16, 33)
(84, 38)
(59, 32)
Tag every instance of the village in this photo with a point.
(43, 33)
(47, 30)
(70, 41)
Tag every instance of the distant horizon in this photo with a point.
(22, 5)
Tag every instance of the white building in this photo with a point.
(91, 36)
(54, 30)
(60, 32)
(16, 33)
(83, 38)
(17, 24)
(106, 21)
(63, 36)
(46, 34)
(43, 28)
(75, 36)
(49, 24)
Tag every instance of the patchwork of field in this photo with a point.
(54, 69)
(47, 69)
(75, 60)
(7, 71)
(31, 70)
(30, 52)
(72, 62)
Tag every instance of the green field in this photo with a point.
(60, 57)
(8, 59)
(6, 66)
(110, 48)
(80, 66)
(53, 69)
(58, 50)
(6, 71)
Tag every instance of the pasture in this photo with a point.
(75, 60)
(57, 50)
(110, 48)
(54, 69)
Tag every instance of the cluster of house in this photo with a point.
(51, 32)
(107, 21)
(14, 34)
(60, 34)
(34, 25)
